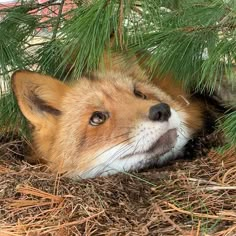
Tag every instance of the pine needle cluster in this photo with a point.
(193, 39)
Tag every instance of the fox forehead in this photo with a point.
(115, 96)
(107, 89)
(104, 84)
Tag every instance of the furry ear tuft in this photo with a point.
(38, 96)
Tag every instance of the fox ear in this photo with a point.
(38, 96)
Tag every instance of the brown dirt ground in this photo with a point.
(189, 198)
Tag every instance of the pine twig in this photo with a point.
(200, 215)
(121, 17)
(211, 27)
(58, 20)
(167, 218)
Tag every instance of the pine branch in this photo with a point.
(194, 40)
(221, 27)
(55, 30)
(120, 23)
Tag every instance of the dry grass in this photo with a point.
(187, 198)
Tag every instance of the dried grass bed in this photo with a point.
(187, 198)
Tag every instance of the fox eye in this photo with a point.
(139, 94)
(98, 118)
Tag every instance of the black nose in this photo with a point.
(159, 112)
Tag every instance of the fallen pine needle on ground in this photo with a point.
(189, 198)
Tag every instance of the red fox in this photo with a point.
(112, 122)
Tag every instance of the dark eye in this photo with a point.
(139, 94)
(98, 118)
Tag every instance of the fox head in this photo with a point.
(99, 126)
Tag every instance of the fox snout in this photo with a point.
(159, 112)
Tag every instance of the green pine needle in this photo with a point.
(194, 40)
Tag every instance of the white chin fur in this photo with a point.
(135, 154)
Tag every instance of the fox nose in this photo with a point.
(159, 112)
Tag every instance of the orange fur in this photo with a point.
(60, 114)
